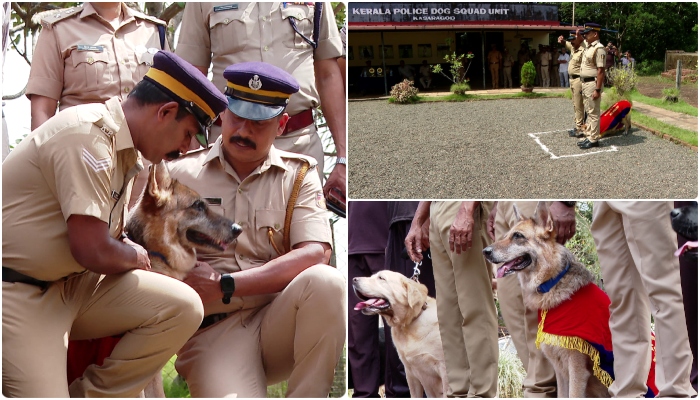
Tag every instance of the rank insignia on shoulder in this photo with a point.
(226, 7)
(107, 131)
(87, 47)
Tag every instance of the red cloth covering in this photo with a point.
(585, 315)
(82, 353)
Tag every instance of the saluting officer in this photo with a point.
(300, 38)
(576, 45)
(592, 79)
(274, 310)
(66, 273)
(90, 53)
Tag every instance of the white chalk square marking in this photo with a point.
(536, 136)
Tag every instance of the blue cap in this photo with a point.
(258, 91)
(189, 87)
(590, 26)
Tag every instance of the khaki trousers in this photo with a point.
(297, 337)
(544, 71)
(635, 245)
(521, 322)
(466, 311)
(303, 141)
(157, 315)
(507, 77)
(577, 99)
(494, 75)
(592, 108)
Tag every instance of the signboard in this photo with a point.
(441, 13)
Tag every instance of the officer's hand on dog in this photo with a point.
(142, 260)
(205, 281)
(564, 218)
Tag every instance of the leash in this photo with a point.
(416, 271)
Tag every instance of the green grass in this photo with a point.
(667, 81)
(680, 107)
(678, 133)
(172, 386)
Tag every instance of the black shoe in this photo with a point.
(588, 144)
(575, 133)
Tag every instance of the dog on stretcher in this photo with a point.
(573, 313)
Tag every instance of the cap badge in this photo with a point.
(255, 83)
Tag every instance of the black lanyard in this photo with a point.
(318, 8)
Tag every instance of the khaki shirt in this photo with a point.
(593, 58)
(80, 58)
(494, 57)
(545, 58)
(229, 33)
(576, 57)
(256, 203)
(78, 164)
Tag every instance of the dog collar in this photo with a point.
(150, 253)
(547, 286)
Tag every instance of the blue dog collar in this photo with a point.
(547, 286)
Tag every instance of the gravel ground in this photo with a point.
(482, 150)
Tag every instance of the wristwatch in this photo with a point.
(597, 90)
(228, 286)
(341, 160)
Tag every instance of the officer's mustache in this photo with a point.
(241, 141)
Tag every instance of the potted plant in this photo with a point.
(527, 77)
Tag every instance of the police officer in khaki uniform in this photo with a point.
(545, 58)
(636, 246)
(275, 310)
(521, 322)
(66, 272)
(592, 79)
(90, 53)
(281, 34)
(466, 311)
(507, 68)
(576, 45)
(494, 57)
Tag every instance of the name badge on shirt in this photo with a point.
(87, 47)
(213, 201)
(227, 7)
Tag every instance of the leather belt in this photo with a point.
(544, 65)
(12, 276)
(588, 79)
(493, 63)
(298, 121)
(210, 320)
(574, 76)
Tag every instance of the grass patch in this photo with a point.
(678, 133)
(680, 107)
(664, 80)
(173, 385)
(474, 97)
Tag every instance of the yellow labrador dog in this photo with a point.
(412, 316)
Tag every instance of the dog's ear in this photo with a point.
(159, 182)
(543, 217)
(416, 294)
(518, 215)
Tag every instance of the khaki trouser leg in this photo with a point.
(298, 337)
(577, 99)
(507, 77)
(540, 380)
(544, 71)
(593, 110)
(635, 244)
(468, 320)
(494, 75)
(157, 313)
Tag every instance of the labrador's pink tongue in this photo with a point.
(369, 303)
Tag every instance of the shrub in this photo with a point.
(458, 71)
(624, 80)
(671, 95)
(527, 74)
(404, 92)
(511, 375)
(460, 88)
(649, 67)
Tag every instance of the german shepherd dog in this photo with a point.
(530, 248)
(412, 315)
(172, 222)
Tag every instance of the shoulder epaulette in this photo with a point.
(107, 126)
(52, 17)
(147, 17)
(296, 156)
